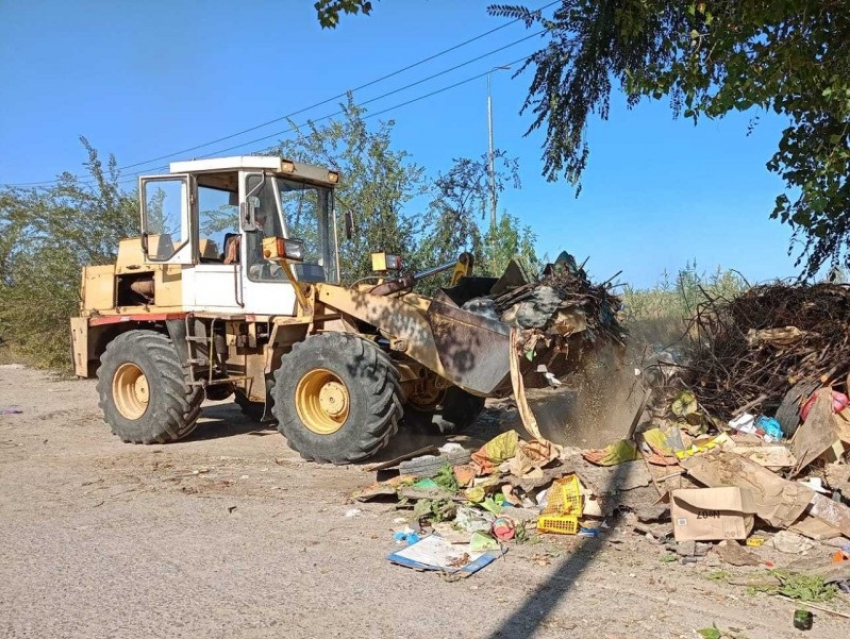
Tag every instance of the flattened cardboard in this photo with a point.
(814, 528)
(711, 514)
(816, 435)
(833, 513)
(777, 501)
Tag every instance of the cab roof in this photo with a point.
(278, 165)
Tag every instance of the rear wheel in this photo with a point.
(143, 389)
(337, 398)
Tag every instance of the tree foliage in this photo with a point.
(709, 58)
(328, 11)
(376, 182)
(458, 217)
(46, 236)
(461, 197)
(398, 209)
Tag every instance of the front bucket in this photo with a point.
(474, 350)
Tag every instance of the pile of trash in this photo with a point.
(563, 301)
(560, 317)
(466, 508)
(753, 349)
(669, 480)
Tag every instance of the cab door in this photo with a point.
(265, 288)
(166, 210)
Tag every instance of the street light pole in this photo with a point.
(491, 155)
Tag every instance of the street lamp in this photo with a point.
(492, 156)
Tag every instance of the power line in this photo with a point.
(293, 128)
(326, 117)
(366, 117)
(326, 101)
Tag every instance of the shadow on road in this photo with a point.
(539, 604)
(226, 420)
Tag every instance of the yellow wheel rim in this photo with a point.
(322, 401)
(131, 391)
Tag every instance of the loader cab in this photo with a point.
(211, 217)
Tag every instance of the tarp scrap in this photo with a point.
(494, 452)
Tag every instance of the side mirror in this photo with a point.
(349, 224)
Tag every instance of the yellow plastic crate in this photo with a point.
(564, 497)
(558, 524)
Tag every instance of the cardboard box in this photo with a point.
(711, 514)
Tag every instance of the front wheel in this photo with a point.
(143, 389)
(337, 398)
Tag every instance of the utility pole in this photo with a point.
(492, 157)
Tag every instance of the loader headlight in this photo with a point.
(281, 248)
(383, 262)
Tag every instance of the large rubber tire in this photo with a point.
(457, 411)
(788, 413)
(173, 406)
(374, 405)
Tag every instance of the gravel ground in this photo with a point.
(230, 535)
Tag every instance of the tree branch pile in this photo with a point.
(564, 301)
(759, 344)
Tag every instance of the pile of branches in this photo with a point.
(752, 349)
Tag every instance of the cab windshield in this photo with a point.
(305, 212)
(307, 215)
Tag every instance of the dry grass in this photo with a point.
(659, 315)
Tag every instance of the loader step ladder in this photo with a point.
(197, 376)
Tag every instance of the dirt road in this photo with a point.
(230, 535)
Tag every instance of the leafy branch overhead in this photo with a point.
(709, 59)
(328, 11)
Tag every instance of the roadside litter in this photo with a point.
(436, 553)
(738, 455)
(508, 490)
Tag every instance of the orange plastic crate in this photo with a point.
(564, 497)
(558, 524)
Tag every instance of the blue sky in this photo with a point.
(142, 80)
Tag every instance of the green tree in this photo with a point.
(376, 181)
(511, 241)
(328, 11)
(461, 197)
(48, 234)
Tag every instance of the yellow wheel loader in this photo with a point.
(233, 289)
